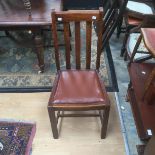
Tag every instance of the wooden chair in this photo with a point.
(77, 89)
(136, 49)
(133, 18)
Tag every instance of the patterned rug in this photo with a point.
(16, 138)
(19, 66)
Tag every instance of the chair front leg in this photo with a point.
(105, 122)
(53, 121)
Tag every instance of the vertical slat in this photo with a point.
(99, 43)
(67, 44)
(77, 45)
(88, 44)
(55, 39)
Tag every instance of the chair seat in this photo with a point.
(149, 38)
(133, 37)
(81, 88)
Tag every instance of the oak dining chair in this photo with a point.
(78, 88)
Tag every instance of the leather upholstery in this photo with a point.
(78, 87)
(133, 21)
(149, 38)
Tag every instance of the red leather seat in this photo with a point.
(78, 88)
(133, 21)
(149, 38)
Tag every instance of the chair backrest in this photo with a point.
(76, 17)
(112, 17)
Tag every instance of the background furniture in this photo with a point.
(141, 97)
(141, 90)
(131, 20)
(112, 16)
(14, 16)
(78, 89)
(136, 49)
(81, 4)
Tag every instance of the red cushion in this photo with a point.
(133, 21)
(149, 39)
(79, 87)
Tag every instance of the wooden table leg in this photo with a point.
(39, 51)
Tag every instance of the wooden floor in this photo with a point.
(78, 136)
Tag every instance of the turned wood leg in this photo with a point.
(39, 52)
(105, 122)
(53, 121)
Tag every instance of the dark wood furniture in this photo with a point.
(142, 97)
(14, 16)
(150, 147)
(141, 90)
(81, 4)
(78, 89)
(131, 22)
(146, 34)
